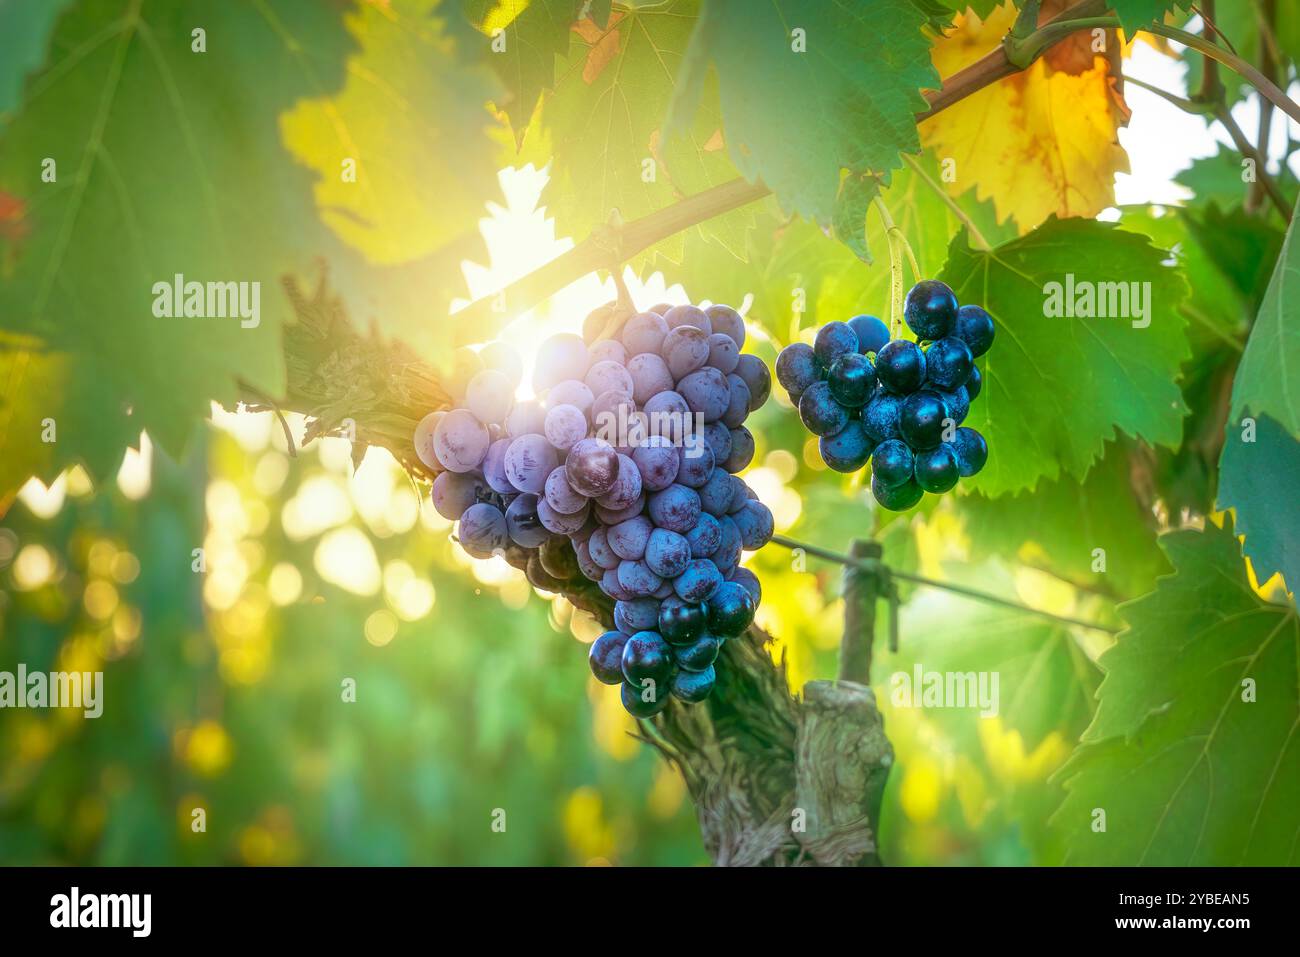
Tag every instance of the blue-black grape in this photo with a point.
(892, 463)
(921, 420)
(693, 686)
(930, 309)
(796, 369)
(948, 362)
(852, 380)
(974, 327)
(848, 449)
(899, 498)
(972, 451)
(698, 655)
(606, 657)
(820, 413)
(833, 340)
(871, 332)
(937, 468)
(731, 609)
(681, 622)
(900, 367)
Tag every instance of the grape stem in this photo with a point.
(892, 235)
(976, 236)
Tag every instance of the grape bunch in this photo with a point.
(623, 471)
(898, 403)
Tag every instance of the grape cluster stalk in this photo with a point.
(624, 471)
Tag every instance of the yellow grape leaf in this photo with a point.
(399, 179)
(1039, 142)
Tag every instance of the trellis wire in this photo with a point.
(872, 566)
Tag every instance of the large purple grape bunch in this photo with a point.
(897, 403)
(624, 471)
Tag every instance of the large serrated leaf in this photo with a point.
(25, 29)
(1258, 479)
(1056, 389)
(1193, 754)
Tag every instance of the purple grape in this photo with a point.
(639, 614)
(563, 356)
(797, 369)
(644, 332)
(676, 508)
(755, 524)
(715, 494)
(454, 492)
(685, 349)
(754, 371)
(607, 350)
(606, 657)
(560, 494)
(691, 686)
(748, 581)
(592, 467)
(740, 494)
(727, 557)
(527, 417)
(718, 436)
(724, 354)
(530, 459)
(559, 523)
(705, 537)
(483, 530)
(586, 564)
(685, 316)
(832, 341)
(695, 462)
(738, 402)
(742, 450)
(489, 396)
(601, 553)
(706, 393)
(523, 523)
(698, 656)
(606, 410)
(667, 553)
(658, 462)
(698, 581)
(494, 467)
(727, 322)
(609, 516)
(565, 426)
(626, 487)
(423, 441)
(628, 539)
(570, 392)
(650, 376)
(637, 579)
(460, 441)
(668, 415)
(608, 376)
(609, 584)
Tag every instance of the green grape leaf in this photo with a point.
(533, 35)
(1218, 179)
(25, 29)
(1242, 247)
(1139, 13)
(1057, 387)
(168, 163)
(1252, 476)
(1268, 378)
(1192, 751)
(605, 126)
(809, 89)
(1065, 520)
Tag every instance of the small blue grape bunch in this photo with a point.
(897, 403)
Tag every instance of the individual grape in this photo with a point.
(880, 417)
(658, 463)
(665, 590)
(681, 622)
(738, 402)
(644, 332)
(685, 349)
(615, 516)
(756, 525)
(527, 417)
(740, 494)
(921, 420)
(465, 365)
(482, 530)
(975, 383)
(948, 363)
(565, 426)
(871, 332)
(611, 586)
(661, 308)
(695, 461)
(820, 413)
(494, 467)
(742, 450)
(592, 467)
(650, 376)
(706, 393)
(852, 380)
(892, 463)
(639, 614)
(606, 376)
(749, 581)
(693, 686)
(423, 441)
(454, 492)
(698, 655)
(637, 579)
(972, 451)
(667, 553)
(560, 494)
(684, 316)
(731, 609)
(606, 350)
(612, 413)
(529, 461)
(698, 581)
(974, 327)
(937, 469)
(570, 392)
(538, 576)
(489, 396)
(727, 322)
(796, 369)
(628, 538)
(561, 357)
(676, 508)
(930, 309)
(559, 523)
(715, 494)
(848, 449)
(730, 545)
(601, 552)
(606, 657)
(958, 404)
(559, 558)
(724, 354)
(898, 498)
(649, 701)
(460, 441)
(832, 341)
(705, 537)
(626, 487)
(900, 367)
(754, 371)
(647, 655)
(586, 564)
(523, 523)
(717, 436)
